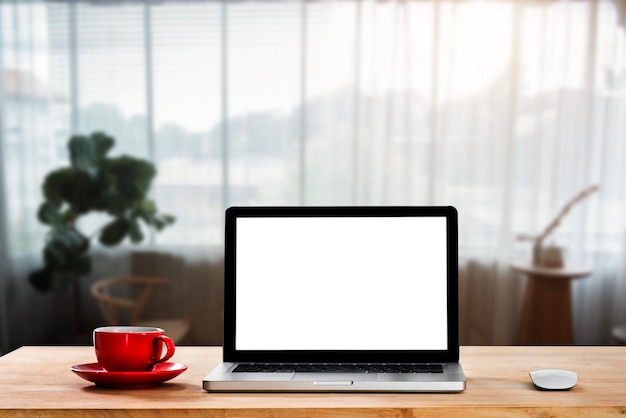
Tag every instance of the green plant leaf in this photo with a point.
(135, 233)
(132, 177)
(161, 221)
(71, 186)
(114, 204)
(127, 184)
(102, 143)
(68, 216)
(49, 213)
(114, 232)
(82, 193)
(83, 155)
(56, 183)
(168, 219)
(147, 211)
(87, 154)
(147, 206)
(71, 238)
(63, 245)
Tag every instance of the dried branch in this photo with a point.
(559, 217)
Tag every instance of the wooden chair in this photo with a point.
(123, 300)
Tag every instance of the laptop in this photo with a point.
(340, 299)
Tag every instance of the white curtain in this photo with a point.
(502, 108)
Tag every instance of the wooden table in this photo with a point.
(547, 313)
(36, 381)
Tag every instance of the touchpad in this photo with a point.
(334, 377)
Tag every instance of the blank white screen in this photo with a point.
(370, 283)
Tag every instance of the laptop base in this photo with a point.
(222, 380)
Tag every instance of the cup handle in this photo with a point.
(169, 344)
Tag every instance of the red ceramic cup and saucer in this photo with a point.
(130, 357)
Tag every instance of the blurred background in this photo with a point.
(505, 109)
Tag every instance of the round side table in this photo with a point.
(547, 313)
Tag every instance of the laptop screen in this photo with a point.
(340, 281)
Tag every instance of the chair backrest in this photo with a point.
(111, 303)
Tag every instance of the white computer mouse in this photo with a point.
(554, 379)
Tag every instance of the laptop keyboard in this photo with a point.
(337, 368)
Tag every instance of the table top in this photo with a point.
(38, 379)
(565, 272)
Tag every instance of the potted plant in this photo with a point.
(94, 182)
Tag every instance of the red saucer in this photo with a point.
(95, 373)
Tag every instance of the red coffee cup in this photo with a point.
(130, 349)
